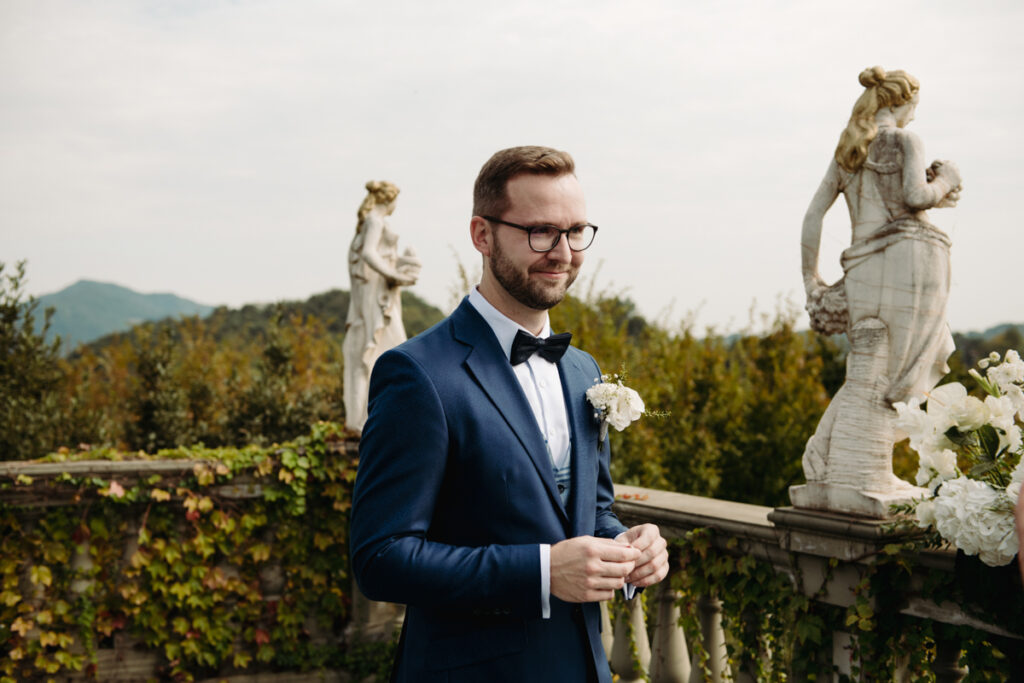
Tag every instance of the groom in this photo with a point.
(483, 498)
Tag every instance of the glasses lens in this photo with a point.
(545, 238)
(580, 237)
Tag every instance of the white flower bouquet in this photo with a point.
(969, 453)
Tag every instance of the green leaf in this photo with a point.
(957, 437)
(988, 439)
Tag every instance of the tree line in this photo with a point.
(740, 407)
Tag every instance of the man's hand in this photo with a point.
(589, 569)
(652, 566)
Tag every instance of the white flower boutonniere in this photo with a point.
(615, 404)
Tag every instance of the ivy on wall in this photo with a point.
(239, 564)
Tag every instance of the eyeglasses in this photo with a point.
(544, 238)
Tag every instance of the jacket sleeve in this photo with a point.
(403, 454)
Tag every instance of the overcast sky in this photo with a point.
(219, 149)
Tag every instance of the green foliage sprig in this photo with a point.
(215, 582)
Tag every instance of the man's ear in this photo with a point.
(481, 233)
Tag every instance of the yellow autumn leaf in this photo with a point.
(260, 552)
(22, 626)
(40, 574)
(160, 495)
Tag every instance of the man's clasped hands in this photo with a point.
(589, 569)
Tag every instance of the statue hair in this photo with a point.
(881, 89)
(490, 196)
(379, 193)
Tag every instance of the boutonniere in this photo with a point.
(614, 404)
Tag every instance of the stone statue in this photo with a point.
(377, 274)
(891, 301)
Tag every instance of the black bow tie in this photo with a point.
(550, 349)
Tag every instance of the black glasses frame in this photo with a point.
(530, 230)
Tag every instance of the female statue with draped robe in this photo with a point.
(891, 301)
(377, 273)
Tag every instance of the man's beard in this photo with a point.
(534, 294)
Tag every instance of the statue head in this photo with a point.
(489, 192)
(882, 90)
(379, 193)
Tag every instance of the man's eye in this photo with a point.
(544, 231)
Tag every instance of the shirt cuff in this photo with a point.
(545, 581)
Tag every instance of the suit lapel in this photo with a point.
(575, 382)
(487, 364)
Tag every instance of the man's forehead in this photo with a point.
(540, 192)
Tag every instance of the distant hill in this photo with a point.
(330, 308)
(253, 320)
(88, 310)
(993, 331)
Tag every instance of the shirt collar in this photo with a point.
(504, 328)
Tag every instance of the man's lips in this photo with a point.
(547, 271)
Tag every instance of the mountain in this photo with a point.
(248, 321)
(88, 310)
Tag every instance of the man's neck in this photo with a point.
(532, 319)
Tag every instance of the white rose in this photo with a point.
(925, 513)
(969, 413)
(1010, 371)
(976, 519)
(942, 398)
(911, 420)
(626, 407)
(1016, 396)
(1013, 491)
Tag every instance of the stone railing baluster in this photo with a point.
(946, 666)
(630, 632)
(670, 658)
(709, 610)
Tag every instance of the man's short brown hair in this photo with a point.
(489, 192)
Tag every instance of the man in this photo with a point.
(483, 499)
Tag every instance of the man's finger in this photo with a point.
(612, 551)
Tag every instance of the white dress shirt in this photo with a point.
(542, 386)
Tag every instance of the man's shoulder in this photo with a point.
(579, 356)
(430, 341)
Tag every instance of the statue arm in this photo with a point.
(918, 191)
(373, 229)
(810, 238)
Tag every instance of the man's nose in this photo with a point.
(561, 252)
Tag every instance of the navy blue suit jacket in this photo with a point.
(454, 494)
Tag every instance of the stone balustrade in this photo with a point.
(831, 552)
